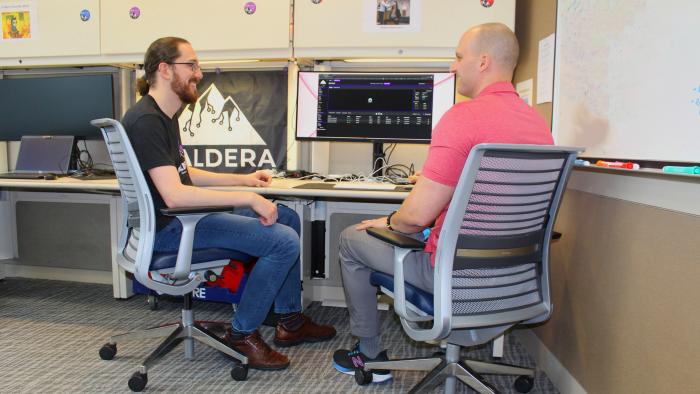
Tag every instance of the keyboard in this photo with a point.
(94, 177)
(364, 186)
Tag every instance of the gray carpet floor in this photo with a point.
(51, 331)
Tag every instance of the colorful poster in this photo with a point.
(18, 20)
(392, 15)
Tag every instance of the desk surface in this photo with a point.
(65, 183)
(279, 187)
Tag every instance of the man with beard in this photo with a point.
(256, 227)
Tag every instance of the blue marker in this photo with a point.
(580, 162)
(693, 170)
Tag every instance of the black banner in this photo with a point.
(239, 122)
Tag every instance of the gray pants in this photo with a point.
(360, 255)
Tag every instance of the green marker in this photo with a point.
(693, 170)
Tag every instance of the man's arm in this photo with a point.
(176, 195)
(207, 178)
(420, 209)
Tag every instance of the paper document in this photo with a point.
(545, 70)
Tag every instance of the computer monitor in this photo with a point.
(372, 107)
(54, 105)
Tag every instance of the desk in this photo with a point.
(100, 196)
(279, 187)
(318, 204)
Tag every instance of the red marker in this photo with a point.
(618, 164)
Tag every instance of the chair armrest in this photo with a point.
(396, 239)
(188, 217)
(403, 246)
(195, 210)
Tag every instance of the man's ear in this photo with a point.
(165, 71)
(484, 61)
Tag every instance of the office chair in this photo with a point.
(166, 273)
(491, 264)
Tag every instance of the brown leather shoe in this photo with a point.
(260, 354)
(308, 332)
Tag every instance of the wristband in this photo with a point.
(388, 220)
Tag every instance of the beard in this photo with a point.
(181, 87)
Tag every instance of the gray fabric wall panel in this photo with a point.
(64, 235)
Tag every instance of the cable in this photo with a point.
(393, 173)
(85, 164)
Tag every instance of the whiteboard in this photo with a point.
(627, 78)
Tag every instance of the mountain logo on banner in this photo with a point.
(216, 120)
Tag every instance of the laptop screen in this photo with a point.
(45, 154)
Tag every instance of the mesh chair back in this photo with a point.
(495, 238)
(138, 204)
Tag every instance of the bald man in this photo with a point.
(485, 59)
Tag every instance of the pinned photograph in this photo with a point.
(393, 12)
(18, 20)
(392, 15)
(16, 25)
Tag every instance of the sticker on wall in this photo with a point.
(250, 8)
(134, 12)
(487, 3)
(85, 15)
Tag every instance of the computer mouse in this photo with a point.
(49, 177)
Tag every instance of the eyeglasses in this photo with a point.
(194, 65)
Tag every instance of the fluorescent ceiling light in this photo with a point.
(224, 62)
(395, 60)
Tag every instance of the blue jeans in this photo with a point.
(276, 276)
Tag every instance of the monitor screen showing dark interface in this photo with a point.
(55, 105)
(386, 107)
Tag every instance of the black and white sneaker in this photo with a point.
(347, 361)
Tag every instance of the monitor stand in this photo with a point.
(378, 159)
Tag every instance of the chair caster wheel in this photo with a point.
(239, 372)
(152, 302)
(524, 383)
(108, 351)
(363, 377)
(138, 381)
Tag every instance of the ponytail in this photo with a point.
(142, 86)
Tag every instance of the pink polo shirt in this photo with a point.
(496, 115)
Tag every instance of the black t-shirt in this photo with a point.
(156, 142)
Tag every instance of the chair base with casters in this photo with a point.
(186, 331)
(446, 366)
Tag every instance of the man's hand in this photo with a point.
(414, 178)
(266, 209)
(377, 223)
(260, 178)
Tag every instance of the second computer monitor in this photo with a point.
(377, 107)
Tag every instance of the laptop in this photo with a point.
(42, 157)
